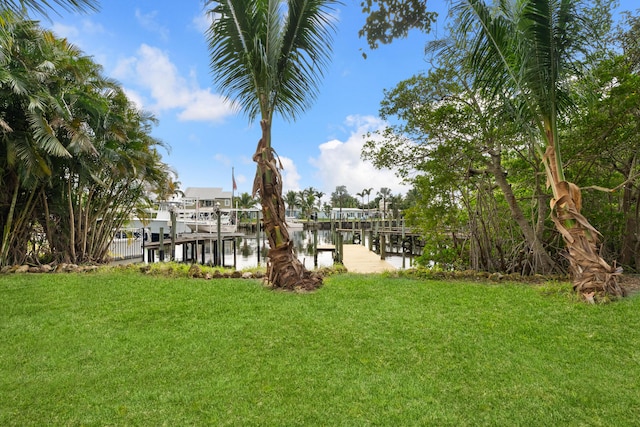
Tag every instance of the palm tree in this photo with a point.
(246, 201)
(74, 156)
(292, 201)
(384, 194)
(361, 195)
(521, 50)
(43, 6)
(28, 140)
(318, 195)
(337, 197)
(368, 191)
(268, 56)
(170, 188)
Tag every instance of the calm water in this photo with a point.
(247, 250)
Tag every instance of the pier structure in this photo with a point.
(381, 235)
(193, 248)
(363, 245)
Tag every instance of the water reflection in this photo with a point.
(303, 240)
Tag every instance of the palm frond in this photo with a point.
(268, 55)
(45, 136)
(231, 38)
(43, 7)
(306, 49)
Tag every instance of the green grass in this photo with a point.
(122, 348)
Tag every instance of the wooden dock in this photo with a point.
(359, 259)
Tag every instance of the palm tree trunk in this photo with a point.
(47, 220)
(72, 223)
(590, 272)
(6, 232)
(284, 270)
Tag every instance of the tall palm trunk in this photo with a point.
(285, 269)
(72, 223)
(6, 231)
(590, 272)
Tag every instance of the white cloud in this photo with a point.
(135, 97)
(241, 179)
(339, 162)
(153, 72)
(65, 31)
(125, 68)
(206, 106)
(149, 23)
(74, 32)
(202, 22)
(290, 176)
(223, 159)
(91, 27)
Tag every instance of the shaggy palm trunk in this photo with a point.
(591, 274)
(284, 270)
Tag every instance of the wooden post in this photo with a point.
(144, 260)
(383, 245)
(172, 212)
(402, 246)
(315, 247)
(219, 256)
(161, 244)
(333, 232)
(339, 248)
(258, 235)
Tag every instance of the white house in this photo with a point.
(206, 197)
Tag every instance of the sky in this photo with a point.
(157, 51)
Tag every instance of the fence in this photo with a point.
(127, 244)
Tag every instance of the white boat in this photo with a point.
(207, 221)
(156, 218)
(293, 224)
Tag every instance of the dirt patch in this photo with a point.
(631, 282)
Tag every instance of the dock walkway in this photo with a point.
(359, 259)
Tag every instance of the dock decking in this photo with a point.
(359, 259)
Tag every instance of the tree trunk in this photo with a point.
(72, 223)
(5, 244)
(539, 255)
(590, 272)
(284, 270)
(631, 212)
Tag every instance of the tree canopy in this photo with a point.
(76, 156)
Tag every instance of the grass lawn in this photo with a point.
(122, 348)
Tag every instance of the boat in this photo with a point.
(156, 218)
(293, 224)
(205, 221)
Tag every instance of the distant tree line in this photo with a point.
(76, 156)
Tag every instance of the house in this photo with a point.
(206, 197)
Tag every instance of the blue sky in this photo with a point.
(157, 50)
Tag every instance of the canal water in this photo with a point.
(247, 250)
(251, 251)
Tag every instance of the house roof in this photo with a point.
(206, 193)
